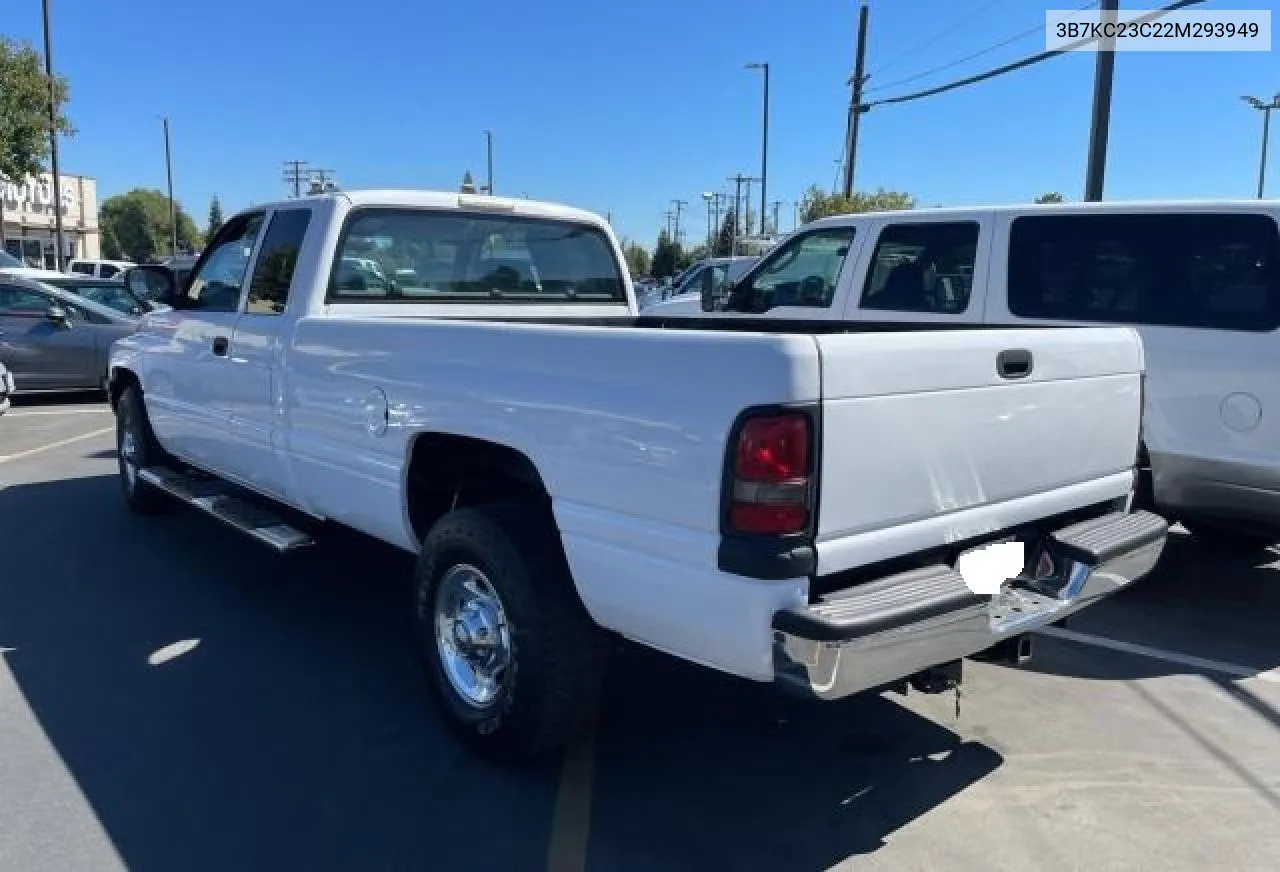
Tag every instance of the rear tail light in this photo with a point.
(772, 475)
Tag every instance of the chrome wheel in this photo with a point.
(473, 637)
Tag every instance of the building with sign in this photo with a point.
(26, 212)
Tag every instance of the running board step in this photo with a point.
(216, 498)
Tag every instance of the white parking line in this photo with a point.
(5, 458)
(33, 413)
(1271, 676)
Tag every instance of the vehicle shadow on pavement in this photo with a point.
(1200, 601)
(222, 707)
(701, 771)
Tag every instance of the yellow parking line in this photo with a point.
(5, 458)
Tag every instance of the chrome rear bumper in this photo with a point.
(886, 630)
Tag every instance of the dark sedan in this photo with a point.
(53, 340)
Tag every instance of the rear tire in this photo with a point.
(511, 653)
(136, 449)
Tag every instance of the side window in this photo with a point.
(20, 301)
(1180, 270)
(83, 269)
(108, 270)
(922, 267)
(273, 271)
(217, 282)
(802, 272)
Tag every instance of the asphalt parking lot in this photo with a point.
(175, 697)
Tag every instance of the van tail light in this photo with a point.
(772, 475)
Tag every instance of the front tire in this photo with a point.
(136, 449)
(510, 651)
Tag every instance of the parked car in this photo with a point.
(792, 508)
(12, 266)
(113, 293)
(98, 269)
(52, 340)
(705, 276)
(7, 388)
(1199, 280)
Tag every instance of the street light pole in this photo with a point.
(488, 148)
(764, 143)
(173, 209)
(1265, 109)
(53, 143)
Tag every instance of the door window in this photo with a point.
(1190, 270)
(108, 270)
(83, 269)
(20, 301)
(803, 272)
(273, 271)
(922, 267)
(217, 282)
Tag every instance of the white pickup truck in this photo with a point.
(791, 509)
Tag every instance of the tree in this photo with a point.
(1051, 197)
(215, 217)
(637, 258)
(665, 255)
(818, 203)
(689, 256)
(24, 114)
(139, 223)
(110, 245)
(725, 236)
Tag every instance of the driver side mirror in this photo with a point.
(58, 314)
(155, 283)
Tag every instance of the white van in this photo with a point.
(98, 269)
(1200, 281)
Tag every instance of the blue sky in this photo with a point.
(620, 107)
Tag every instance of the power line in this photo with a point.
(947, 31)
(977, 54)
(1017, 65)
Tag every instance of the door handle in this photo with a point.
(220, 345)
(1014, 363)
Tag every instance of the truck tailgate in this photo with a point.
(925, 442)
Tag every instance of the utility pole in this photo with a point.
(776, 205)
(795, 215)
(321, 181)
(53, 143)
(173, 208)
(737, 211)
(855, 102)
(294, 173)
(668, 214)
(1099, 128)
(679, 204)
(1266, 109)
(488, 150)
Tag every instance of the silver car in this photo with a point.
(52, 340)
(6, 388)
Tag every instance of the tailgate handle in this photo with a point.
(1014, 363)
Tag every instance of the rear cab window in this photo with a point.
(389, 255)
(1201, 270)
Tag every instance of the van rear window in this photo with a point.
(1173, 269)
(422, 256)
